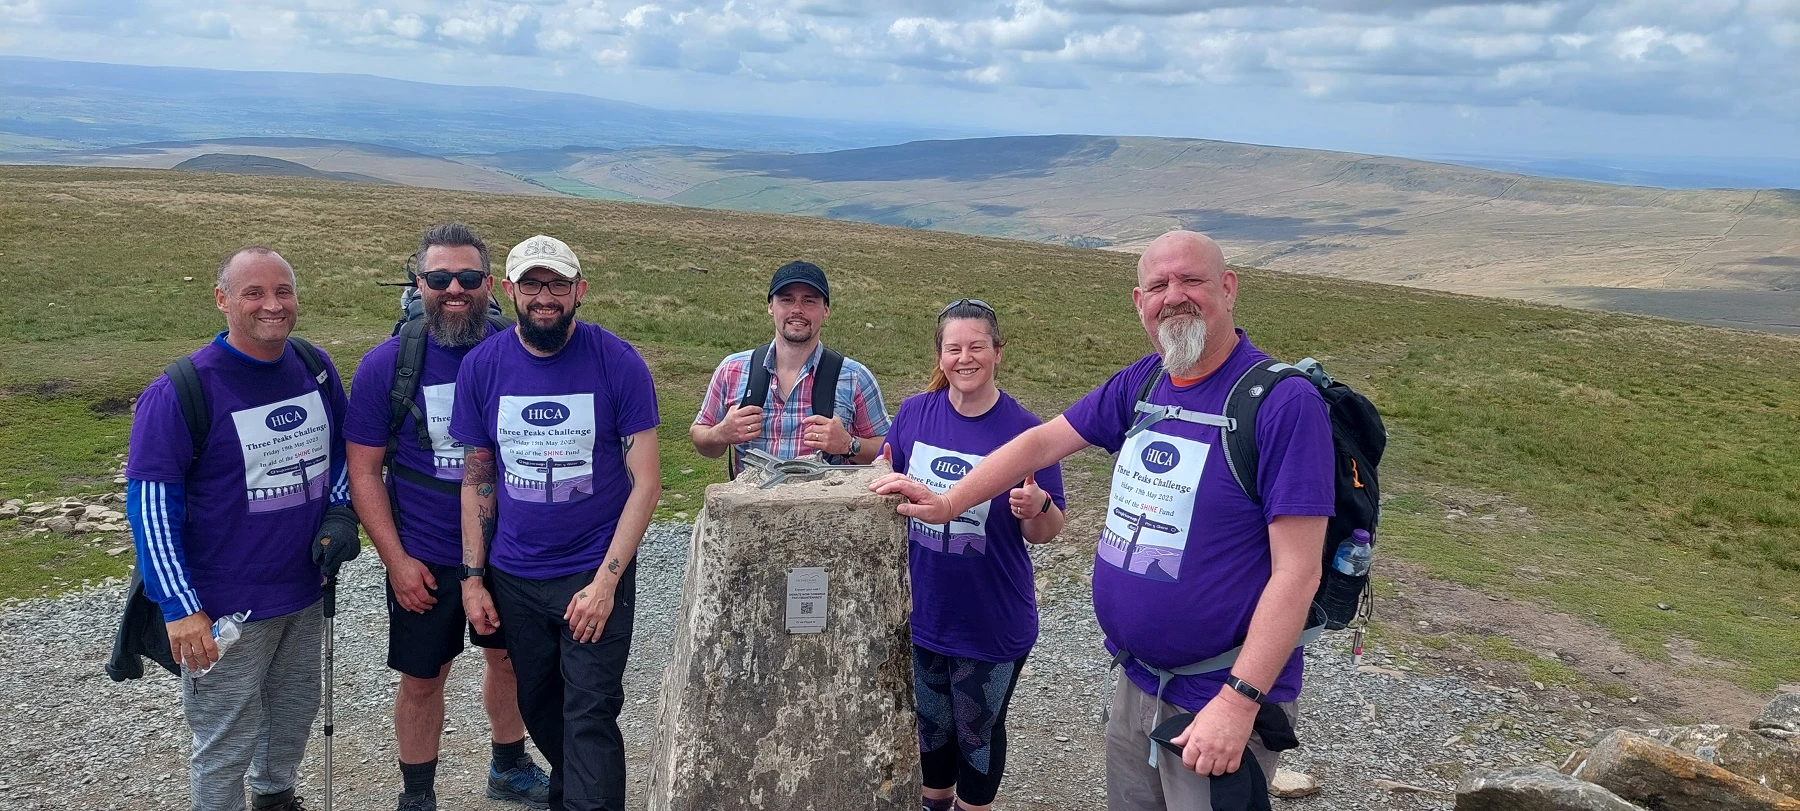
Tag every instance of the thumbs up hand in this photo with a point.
(1027, 500)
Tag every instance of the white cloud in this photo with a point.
(1671, 56)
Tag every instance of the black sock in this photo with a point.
(418, 778)
(508, 755)
(939, 805)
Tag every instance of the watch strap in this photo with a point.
(466, 571)
(1047, 502)
(1244, 688)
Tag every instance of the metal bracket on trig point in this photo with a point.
(776, 471)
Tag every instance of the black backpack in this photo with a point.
(1358, 440)
(824, 388)
(409, 365)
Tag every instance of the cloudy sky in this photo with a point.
(1413, 77)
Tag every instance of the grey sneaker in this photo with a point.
(426, 801)
(523, 783)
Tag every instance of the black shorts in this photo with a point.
(419, 645)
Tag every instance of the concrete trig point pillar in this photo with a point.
(757, 716)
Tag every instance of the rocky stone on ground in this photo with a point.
(1773, 764)
(1781, 718)
(1535, 788)
(1292, 785)
(790, 684)
(1640, 769)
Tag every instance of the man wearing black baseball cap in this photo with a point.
(793, 397)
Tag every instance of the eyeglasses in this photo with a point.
(532, 287)
(440, 279)
(970, 301)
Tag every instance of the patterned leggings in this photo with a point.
(962, 722)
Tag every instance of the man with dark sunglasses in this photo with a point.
(413, 519)
(784, 398)
(560, 478)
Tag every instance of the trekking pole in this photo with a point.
(330, 656)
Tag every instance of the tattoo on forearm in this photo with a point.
(479, 469)
(488, 521)
(613, 565)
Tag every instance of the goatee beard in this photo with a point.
(1183, 339)
(456, 330)
(545, 339)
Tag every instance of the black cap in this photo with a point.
(805, 273)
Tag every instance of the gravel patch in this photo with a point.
(76, 739)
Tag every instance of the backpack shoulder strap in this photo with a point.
(309, 355)
(756, 391)
(190, 396)
(499, 322)
(409, 365)
(825, 380)
(1241, 407)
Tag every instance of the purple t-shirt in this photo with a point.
(973, 593)
(555, 425)
(430, 521)
(257, 492)
(1184, 555)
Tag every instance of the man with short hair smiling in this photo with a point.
(560, 478)
(242, 519)
(412, 517)
(781, 417)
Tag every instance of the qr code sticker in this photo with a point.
(806, 606)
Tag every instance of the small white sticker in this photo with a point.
(806, 590)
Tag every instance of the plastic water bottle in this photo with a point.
(1354, 554)
(226, 630)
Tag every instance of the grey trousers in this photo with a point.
(1131, 783)
(251, 714)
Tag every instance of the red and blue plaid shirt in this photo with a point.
(859, 404)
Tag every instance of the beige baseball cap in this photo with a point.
(542, 252)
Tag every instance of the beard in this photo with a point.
(797, 336)
(1182, 333)
(456, 330)
(545, 339)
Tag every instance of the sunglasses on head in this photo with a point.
(440, 279)
(974, 302)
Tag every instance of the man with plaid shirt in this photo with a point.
(787, 426)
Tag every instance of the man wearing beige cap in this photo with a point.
(560, 477)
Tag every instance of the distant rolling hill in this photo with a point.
(340, 160)
(1358, 216)
(260, 165)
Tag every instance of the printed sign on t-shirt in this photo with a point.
(446, 453)
(287, 451)
(939, 469)
(547, 446)
(1152, 504)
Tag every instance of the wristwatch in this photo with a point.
(855, 446)
(466, 571)
(1047, 503)
(1244, 688)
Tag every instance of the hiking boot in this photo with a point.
(423, 801)
(285, 801)
(523, 783)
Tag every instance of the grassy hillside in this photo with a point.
(1599, 463)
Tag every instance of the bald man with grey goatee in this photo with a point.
(1213, 633)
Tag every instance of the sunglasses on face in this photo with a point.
(440, 279)
(532, 287)
(975, 302)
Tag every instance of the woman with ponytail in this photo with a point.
(974, 616)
